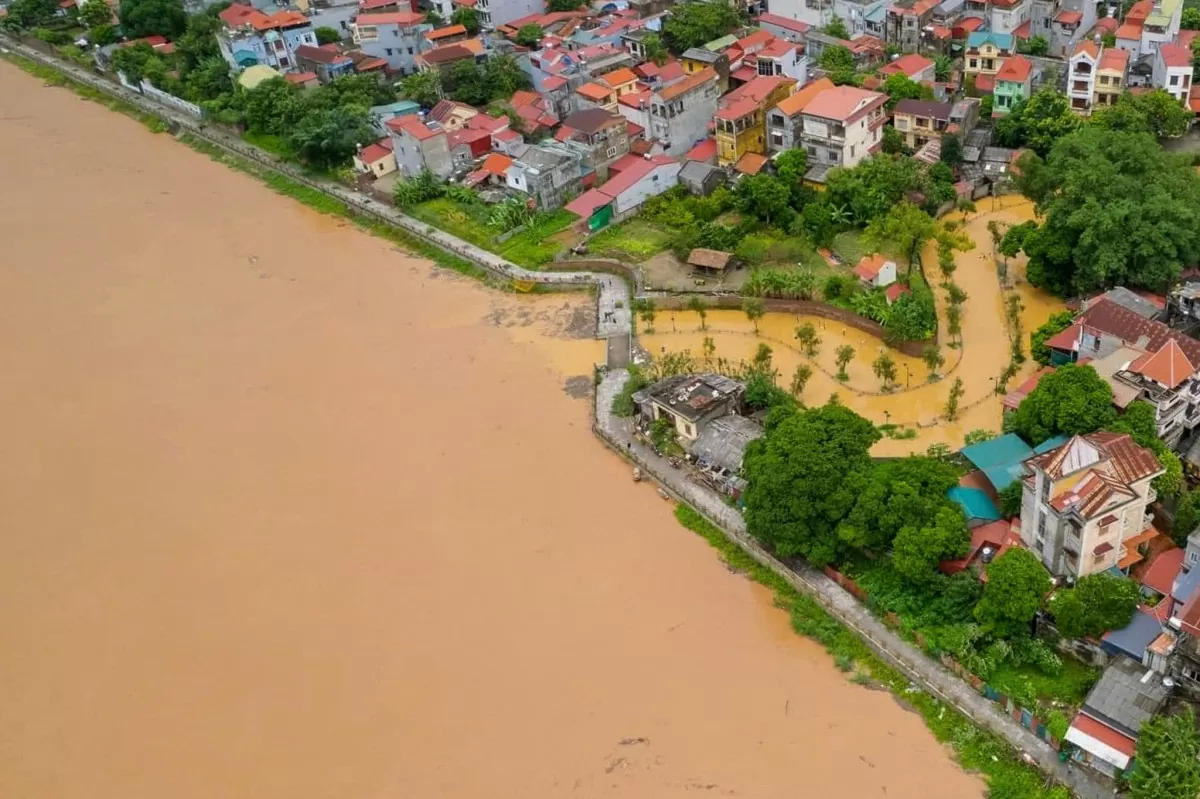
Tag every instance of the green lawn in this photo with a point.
(635, 239)
(275, 145)
(850, 246)
(531, 248)
(1070, 686)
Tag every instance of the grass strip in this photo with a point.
(977, 750)
(56, 78)
(326, 204)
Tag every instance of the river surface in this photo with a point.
(289, 514)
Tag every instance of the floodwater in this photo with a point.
(290, 515)
(916, 401)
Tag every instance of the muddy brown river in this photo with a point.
(290, 515)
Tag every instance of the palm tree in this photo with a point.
(800, 380)
(885, 369)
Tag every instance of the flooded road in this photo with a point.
(290, 515)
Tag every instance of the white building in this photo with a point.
(1008, 15)
(1081, 76)
(1173, 70)
(841, 127)
(494, 13)
(395, 36)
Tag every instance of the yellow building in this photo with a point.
(985, 55)
(741, 119)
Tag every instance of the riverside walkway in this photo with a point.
(614, 324)
(926, 673)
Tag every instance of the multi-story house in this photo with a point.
(782, 58)
(442, 59)
(607, 90)
(1162, 24)
(1173, 70)
(784, 27)
(741, 118)
(679, 114)
(841, 127)
(420, 146)
(984, 56)
(251, 37)
(604, 136)
(1167, 379)
(1083, 500)
(549, 172)
(1013, 84)
(446, 35)
(621, 196)
(697, 58)
(494, 13)
(785, 123)
(905, 20)
(1110, 77)
(921, 121)
(325, 61)
(1009, 15)
(397, 37)
(1081, 76)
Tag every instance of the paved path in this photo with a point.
(923, 670)
(614, 316)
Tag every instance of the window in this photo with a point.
(612, 151)
(1097, 559)
(1174, 80)
(973, 64)
(1191, 673)
(388, 50)
(410, 52)
(1187, 79)
(1103, 80)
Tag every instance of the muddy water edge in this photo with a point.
(291, 514)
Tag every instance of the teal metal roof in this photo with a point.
(979, 38)
(975, 504)
(1000, 458)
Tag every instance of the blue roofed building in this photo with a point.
(1001, 458)
(976, 505)
(1133, 639)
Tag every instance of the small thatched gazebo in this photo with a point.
(710, 260)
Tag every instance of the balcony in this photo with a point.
(1151, 494)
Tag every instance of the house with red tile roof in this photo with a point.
(443, 58)
(916, 67)
(638, 180)
(876, 271)
(842, 126)
(251, 37)
(784, 122)
(740, 120)
(376, 159)
(677, 115)
(1014, 83)
(1105, 731)
(418, 146)
(327, 61)
(1082, 501)
(604, 136)
(1173, 71)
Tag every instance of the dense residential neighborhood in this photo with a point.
(827, 163)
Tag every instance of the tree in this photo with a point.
(906, 492)
(1016, 584)
(1155, 112)
(529, 35)
(208, 81)
(837, 29)
(1117, 209)
(874, 187)
(30, 14)
(648, 314)
(1190, 20)
(655, 50)
(906, 226)
(893, 140)
(917, 551)
(327, 35)
(698, 305)
(329, 137)
(762, 196)
(563, 5)
(709, 347)
(1167, 751)
(1035, 46)
(103, 35)
(885, 369)
(1140, 421)
(1187, 516)
(468, 18)
(803, 477)
(977, 436)
(838, 63)
(1037, 339)
(951, 149)
(95, 13)
(956, 393)
(754, 310)
(1038, 122)
(800, 379)
(153, 18)
(1098, 603)
(424, 88)
(1071, 400)
(761, 362)
(791, 165)
(433, 17)
(943, 65)
(954, 322)
(272, 106)
(1010, 499)
(1014, 238)
(810, 341)
(843, 356)
(696, 23)
(933, 359)
(133, 62)
(899, 86)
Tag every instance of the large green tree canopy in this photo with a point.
(804, 476)
(1098, 603)
(1167, 752)
(901, 493)
(1017, 583)
(1117, 210)
(693, 24)
(153, 18)
(1072, 400)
